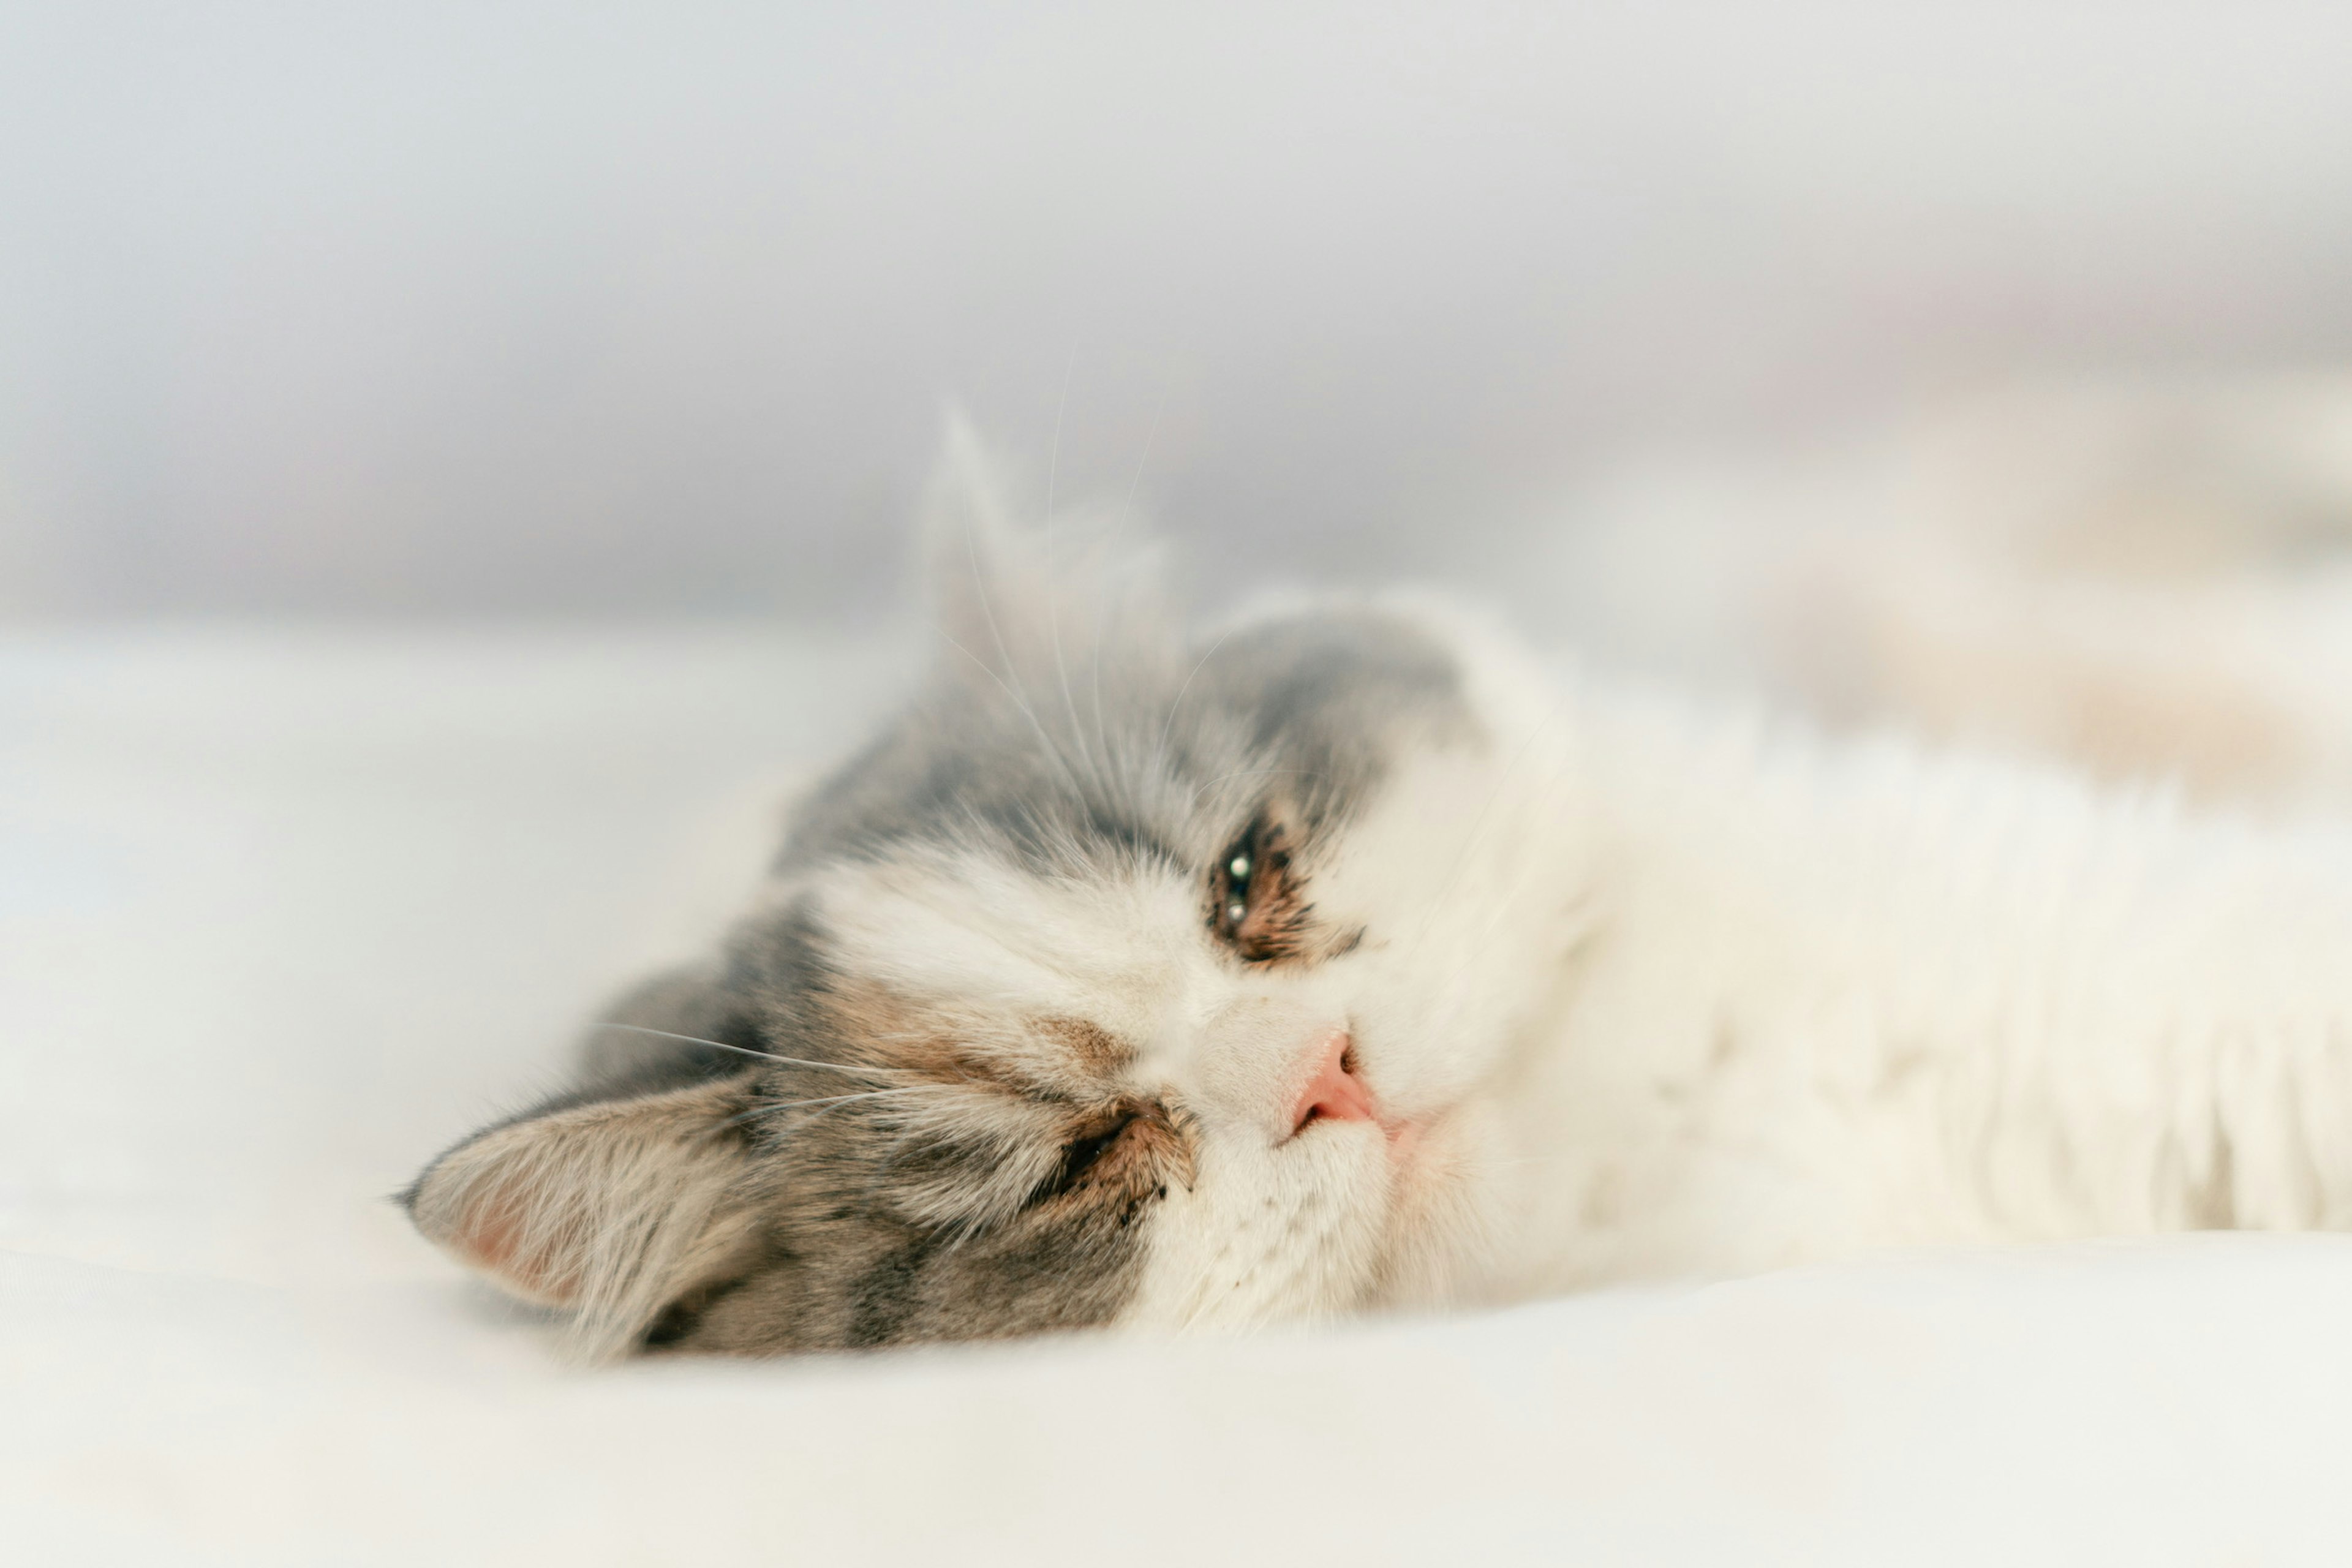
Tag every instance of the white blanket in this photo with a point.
(281, 914)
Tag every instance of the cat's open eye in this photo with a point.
(1238, 886)
(1250, 903)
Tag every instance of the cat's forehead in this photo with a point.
(1155, 756)
(969, 932)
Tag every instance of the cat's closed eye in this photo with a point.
(1083, 1154)
(1130, 1153)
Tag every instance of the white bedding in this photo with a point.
(282, 913)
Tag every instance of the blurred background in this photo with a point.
(459, 462)
(597, 311)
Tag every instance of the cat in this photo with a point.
(1348, 957)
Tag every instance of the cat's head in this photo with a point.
(1126, 978)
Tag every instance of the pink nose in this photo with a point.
(1334, 1091)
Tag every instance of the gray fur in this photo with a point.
(1095, 743)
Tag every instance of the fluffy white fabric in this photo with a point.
(282, 914)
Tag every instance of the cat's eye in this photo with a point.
(1237, 887)
(1250, 906)
(1082, 1154)
(1234, 882)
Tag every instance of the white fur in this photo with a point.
(1857, 997)
(1666, 992)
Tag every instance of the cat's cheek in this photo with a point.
(1447, 1212)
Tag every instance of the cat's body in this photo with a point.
(1841, 996)
(1341, 959)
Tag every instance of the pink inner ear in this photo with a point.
(491, 1239)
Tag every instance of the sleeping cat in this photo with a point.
(1342, 958)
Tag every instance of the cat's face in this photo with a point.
(1122, 980)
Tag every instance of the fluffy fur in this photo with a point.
(1016, 1038)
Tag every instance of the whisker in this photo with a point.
(1102, 738)
(995, 631)
(1054, 463)
(1052, 752)
(1159, 406)
(1053, 584)
(739, 1050)
(1160, 756)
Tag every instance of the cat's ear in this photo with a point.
(984, 593)
(611, 1209)
(1014, 592)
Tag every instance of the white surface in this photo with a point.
(280, 915)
